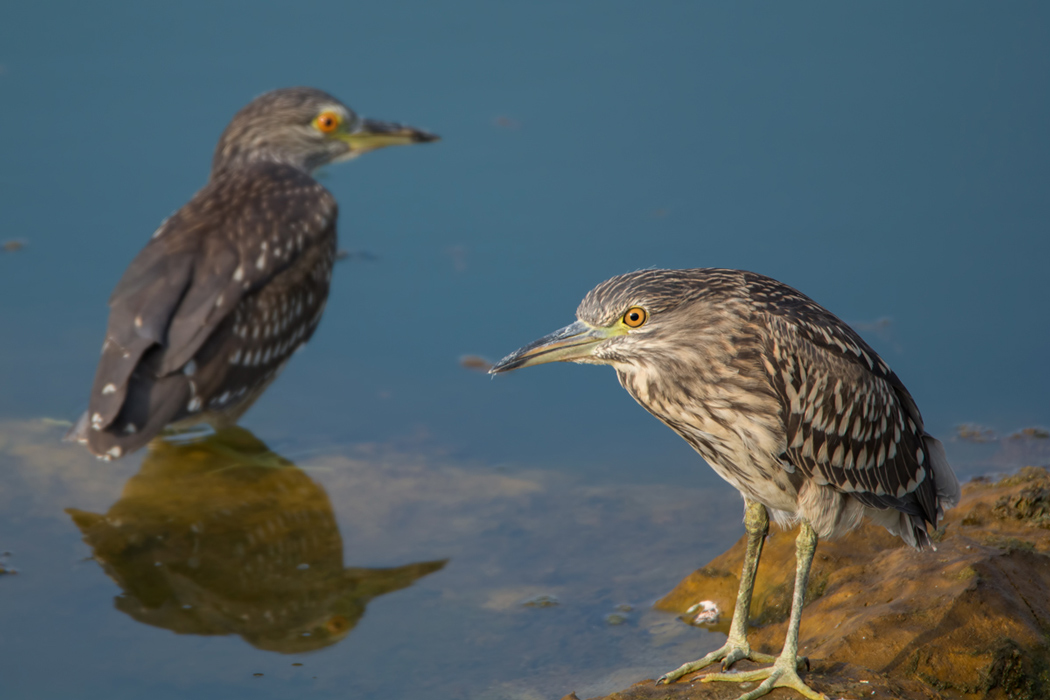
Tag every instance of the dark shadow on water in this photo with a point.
(223, 536)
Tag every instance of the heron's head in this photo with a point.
(304, 128)
(643, 319)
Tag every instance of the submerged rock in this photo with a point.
(969, 620)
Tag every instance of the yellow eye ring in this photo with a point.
(635, 317)
(328, 121)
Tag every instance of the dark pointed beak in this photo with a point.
(574, 343)
(372, 134)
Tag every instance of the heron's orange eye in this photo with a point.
(635, 317)
(327, 122)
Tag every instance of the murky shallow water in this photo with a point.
(891, 162)
(384, 573)
(222, 569)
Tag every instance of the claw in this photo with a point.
(739, 653)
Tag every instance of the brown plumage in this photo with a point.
(784, 400)
(235, 281)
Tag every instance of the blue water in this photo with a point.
(892, 161)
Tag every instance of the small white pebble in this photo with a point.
(707, 612)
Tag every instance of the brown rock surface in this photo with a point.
(969, 620)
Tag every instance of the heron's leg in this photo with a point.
(783, 673)
(756, 523)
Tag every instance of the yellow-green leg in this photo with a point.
(783, 673)
(756, 524)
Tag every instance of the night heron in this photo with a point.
(234, 282)
(785, 401)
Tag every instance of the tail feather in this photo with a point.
(910, 524)
(948, 491)
(151, 404)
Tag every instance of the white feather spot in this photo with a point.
(857, 425)
(822, 453)
(818, 419)
(108, 389)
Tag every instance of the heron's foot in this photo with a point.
(780, 675)
(729, 654)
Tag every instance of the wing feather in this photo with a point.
(231, 239)
(849, 421)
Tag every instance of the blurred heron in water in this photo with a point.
(234, 282)
(784, 400)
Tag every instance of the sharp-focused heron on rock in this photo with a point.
(784, 400)
(234, 282)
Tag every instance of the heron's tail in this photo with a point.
(944, 480)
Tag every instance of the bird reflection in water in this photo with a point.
(223, 536)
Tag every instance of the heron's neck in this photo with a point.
(234, 156)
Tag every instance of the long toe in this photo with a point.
(775, 676)
(729, 654)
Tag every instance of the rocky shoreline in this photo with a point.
(968, 621)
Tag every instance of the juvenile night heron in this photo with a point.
(785, 401)
(235, 281)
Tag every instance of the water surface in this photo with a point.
(890, 161)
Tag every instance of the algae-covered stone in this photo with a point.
(969, 620)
